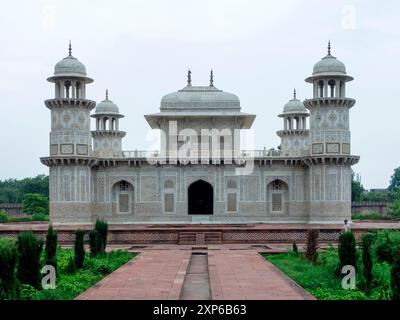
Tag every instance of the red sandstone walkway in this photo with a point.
(155, 275)
(160, 274)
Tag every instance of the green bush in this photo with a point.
(79, 251)
(8, 263)
(347, 250)
(312, 245)
(4, 217)
(29, 249)
(102, 230)
(35, 203)
(295, 249)
(93, 242)
(51, 247)
(367, 240)
(39, 217)
(387, 244)
(395, 278)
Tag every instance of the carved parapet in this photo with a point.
(328, 102)
(69, 102)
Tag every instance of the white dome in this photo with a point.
(329, 64)
(294, 106)
(70, 65)
(107, 106)
(194, 97)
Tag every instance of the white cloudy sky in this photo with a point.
(259, 50)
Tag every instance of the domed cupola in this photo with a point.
(294, 136)
(107, 106)
(329, 77)
(294, 106)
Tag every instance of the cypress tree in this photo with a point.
(295, 249)
(102, 230)
(347, 250)
(29, 248)
(8, 263)
(93, 242)
(51, 247)
(395, 278)
(367, 261)
(79, 252)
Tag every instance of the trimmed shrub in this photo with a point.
(395, 278)
(367, 240)
(295, 249)
(51, 247)
(93, 242)
(39, 217)
(79, 251)
(312, 245)
(102, 230)
(8, 263)
(4, 217)
(29, 248)
(347, 250)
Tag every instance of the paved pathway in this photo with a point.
(155, 275)
(164, 274)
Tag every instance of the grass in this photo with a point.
(69, 285)
(321, 282)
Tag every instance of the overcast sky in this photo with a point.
(141, 50)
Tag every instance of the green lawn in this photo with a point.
(71, 284)
(321, 282)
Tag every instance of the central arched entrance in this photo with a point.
(201, 198)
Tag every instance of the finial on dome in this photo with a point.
(106, 94)
(211, 79)
(294, 94)
(329, 48)
(70, 49)
(189, 78)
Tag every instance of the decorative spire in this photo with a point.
(70, 49)
(294, 94)
(106, 94)
(189, 78)
(329, 48)
(211, 79)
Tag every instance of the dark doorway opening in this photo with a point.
(201, 200)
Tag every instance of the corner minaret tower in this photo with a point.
(107, 138)
(294, 136)
(70, 142)
(330, 157)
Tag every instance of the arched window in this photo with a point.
(320, 89)
(277, 197)
(169, 196)
(123, 197)
(332, 88)
(78, 90)
(67, 85)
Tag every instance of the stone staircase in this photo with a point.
(200, 238)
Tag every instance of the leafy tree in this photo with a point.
(395, 180)
(13, 190)
(367, 240)
(357, 190)
(51, 247)
(374, 196)
(29, 249)
(79, 252)
(395, 278)
(347, 250)
(8, 263)
(312, 245)
(35, 203)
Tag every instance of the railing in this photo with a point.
(157, 154)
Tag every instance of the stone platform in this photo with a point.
(201, 234)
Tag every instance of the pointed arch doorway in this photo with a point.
(200, 198)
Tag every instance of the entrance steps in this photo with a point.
(200, 238)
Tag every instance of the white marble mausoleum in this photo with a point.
(199, 174)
